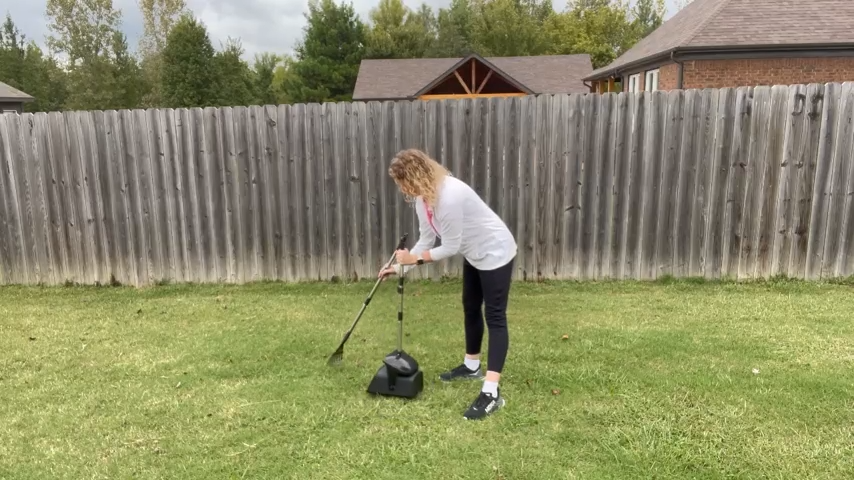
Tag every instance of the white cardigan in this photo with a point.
(466, 225)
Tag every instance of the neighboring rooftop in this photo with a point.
(10, 94)
(396, 79)
(729, 25)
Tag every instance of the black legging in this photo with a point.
(489, 288)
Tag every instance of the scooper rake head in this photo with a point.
(336, 358)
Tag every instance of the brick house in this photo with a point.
(733, 43)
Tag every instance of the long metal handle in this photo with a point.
(400, 245)
(367, 301)
(379, 280)
(400, 280)
(336, 356)
(370, 296)
(400, 313)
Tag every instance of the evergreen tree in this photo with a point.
(328, 58)
(25, 67)
(282, 77)
(44, 80)
(13, 55)
(264, 74)
(130, 86)
(189, 73)
(235, 81)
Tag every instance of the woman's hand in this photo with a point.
(387, 272)
(406, 258)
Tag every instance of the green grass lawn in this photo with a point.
(603, 381)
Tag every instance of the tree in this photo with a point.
(81, 29)
(282, 76)
(454, 26)
(601, 28)
(264, 75)
(24, 66)
(540, 10)
(130, 86)
(429, 25)
(328, 58)
(13, 54)
(398, 32)
(648, 16)
(88, 33)
(46, 82)
(159, 17)
(189, 75)
(234, 80)
(510, 27)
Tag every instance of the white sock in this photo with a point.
(472, 364)
(490, 388)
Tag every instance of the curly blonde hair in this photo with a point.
(417, 175)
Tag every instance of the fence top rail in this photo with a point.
(494, 100)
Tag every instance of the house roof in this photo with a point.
(404, 78)
(744, 25)
(9, 94)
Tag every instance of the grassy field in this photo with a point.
(604, 381)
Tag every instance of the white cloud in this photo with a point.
(260, 25)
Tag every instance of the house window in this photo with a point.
(651, 83)
(634, 83)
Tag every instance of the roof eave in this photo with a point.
(381, 99)
(773, 47)
(721, 51)
(17, 99)
(609, 72)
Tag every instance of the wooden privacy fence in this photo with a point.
(739, 183)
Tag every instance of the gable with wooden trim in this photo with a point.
(471, 77)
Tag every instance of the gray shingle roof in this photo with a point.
(745, 23)
(9, 94)
(403, 78)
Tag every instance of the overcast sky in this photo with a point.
(261, 25)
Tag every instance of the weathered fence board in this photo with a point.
(740, 183)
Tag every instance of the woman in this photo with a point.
(451, 211)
